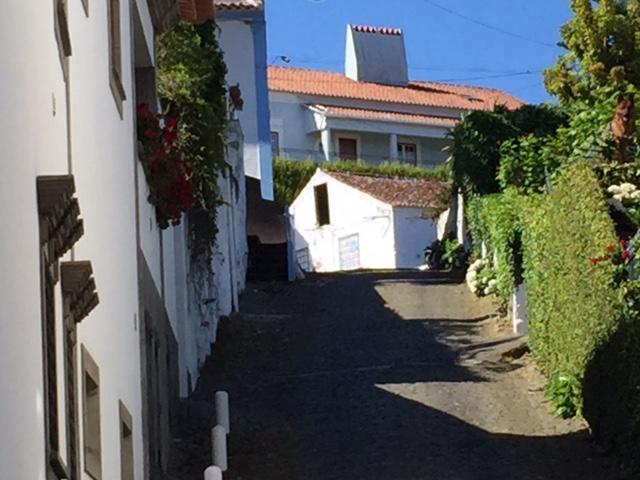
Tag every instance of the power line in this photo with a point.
(487, 25)
(488, 77)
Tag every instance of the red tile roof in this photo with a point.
(418, 93)
(238, 4)
(399, 192)
(386, 116)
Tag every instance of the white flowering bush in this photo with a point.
(481, 278)
(626, 198)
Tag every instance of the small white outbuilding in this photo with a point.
(346, 221)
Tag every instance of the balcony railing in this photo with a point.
(319, 157)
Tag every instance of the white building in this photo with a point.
(347, 221)
(372, 112)
(243, 38)
(104, 326)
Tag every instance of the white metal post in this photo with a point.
(219, 443)
(213, 473)
(222, 411)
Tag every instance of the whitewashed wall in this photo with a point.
(413, 234)
(33, 143)
(103, 167)
(351, 212)
(243, 40)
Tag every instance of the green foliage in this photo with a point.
(563, 391)
(192, 86)
(497, 221)
(446, 253)
(529, 163)
(573, 305)
(476, 154)
(290, 176)
(603, 49)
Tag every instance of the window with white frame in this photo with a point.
(408, 153)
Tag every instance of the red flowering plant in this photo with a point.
(622, 256)
(168, 173)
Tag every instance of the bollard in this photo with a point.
(219, 443)
(213, 473)
(222, 411)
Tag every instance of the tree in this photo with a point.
(603, 50)
(475, 154)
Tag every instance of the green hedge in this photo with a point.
(496, 220)
(290, 176)
(573, 306)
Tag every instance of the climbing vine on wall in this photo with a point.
(192, 86)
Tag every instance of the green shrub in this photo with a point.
(445, 253)
(496, 221)
(290, 176)
(573, 305)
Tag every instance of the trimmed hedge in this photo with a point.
(497, 221)
(573, 305)
(290, 176)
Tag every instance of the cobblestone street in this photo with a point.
(389, 376)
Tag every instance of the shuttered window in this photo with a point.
(322, 204)
(115, 54)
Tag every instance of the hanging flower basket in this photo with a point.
(168, 174)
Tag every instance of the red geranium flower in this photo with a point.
(148, 133)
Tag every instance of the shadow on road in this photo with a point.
(329, 381)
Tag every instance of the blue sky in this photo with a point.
(494, 43)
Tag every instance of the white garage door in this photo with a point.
(349, 250)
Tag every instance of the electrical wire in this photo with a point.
(487, 25)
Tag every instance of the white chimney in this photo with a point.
(376, 54)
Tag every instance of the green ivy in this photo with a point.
(192, 86)
(573, 306)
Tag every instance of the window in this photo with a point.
(63, 38)
(302, 257)
(275, 144)
(348, 148)
(115, 54)
(407, 153)
(91, 416)
(126, 444)
(322, 204)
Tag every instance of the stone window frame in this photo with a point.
(114, 27)
(63, 37)
(127, 458)
(91, 418)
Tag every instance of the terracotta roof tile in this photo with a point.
(418, 93)
(386, 116)
(398, 192)
(238, 4)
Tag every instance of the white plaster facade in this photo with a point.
(53, 127)
(243, 39)
(305, 132)
(389, 237)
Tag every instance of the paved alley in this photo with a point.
(386, 376)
